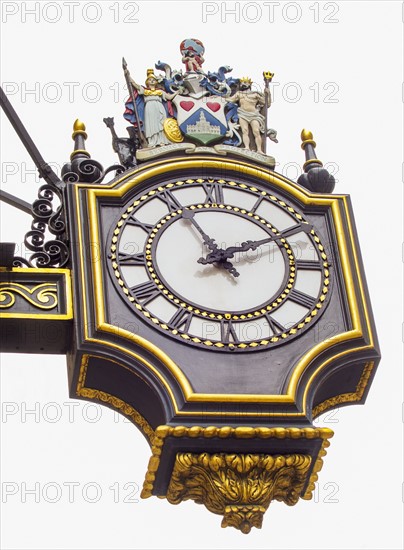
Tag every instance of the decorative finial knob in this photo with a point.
(81, 167)
(307, 139)
(79, 125)
(306, 134)
(315, 177)
(79, 137)
(79, 129)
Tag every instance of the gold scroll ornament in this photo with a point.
(43, 296)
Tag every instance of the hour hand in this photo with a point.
(218, 258)
(222, 255)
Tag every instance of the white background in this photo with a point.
(358, 501)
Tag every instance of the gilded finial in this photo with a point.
(79, 125)
(307, 138)
(306, 134)
(315, 176)
(79, 137)
(79, 129)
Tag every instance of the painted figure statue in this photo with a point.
(153, 108)
(249, 113)
(192, 51)
(198, 108)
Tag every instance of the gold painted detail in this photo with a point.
(79, 128)
(340, 210)
(346, 397)
(268, 75)
(312, 161)
(209, 314)
(307, 137)
(243, 432)
(115, 402)
(152, 92)
(308, 495)
(172, 130)
(224, 432)
(80, 152)
(43, 296)
(238, 486)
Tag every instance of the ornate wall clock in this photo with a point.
(228, 306)
(218, 305)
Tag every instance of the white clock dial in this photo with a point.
(180, 247)
(219, 263)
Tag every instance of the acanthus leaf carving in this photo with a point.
(238, 486)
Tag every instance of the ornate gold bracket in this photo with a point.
(238, 486)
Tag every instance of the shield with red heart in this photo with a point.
(201, 119)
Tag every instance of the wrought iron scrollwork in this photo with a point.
(46, 253)
(46, 218)
(85, 170)
(88, 171)
(118, 170)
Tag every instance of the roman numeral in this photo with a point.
(302, 299)
(214, 193)
(308, 264)
(146, 226)
(181, 320)
(170, 200)
(228, 334)
(305, 227)
(145, 292)
(131, 259)
(274, 325)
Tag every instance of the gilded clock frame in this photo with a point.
(340, 210)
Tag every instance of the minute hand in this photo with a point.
(248, 245)
(221, 255)
(190, 215)
(253, 245)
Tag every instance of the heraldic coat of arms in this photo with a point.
(185, 110)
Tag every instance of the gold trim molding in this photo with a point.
(351, 270)
(308, 495)
(238, 486)
(106, 398)
(346, 397)
(162, 432)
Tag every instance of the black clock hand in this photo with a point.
(190, 215)
(210, 243)
(216, 257)
(248, 245)
(221, 254)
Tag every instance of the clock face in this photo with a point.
(219, 264)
